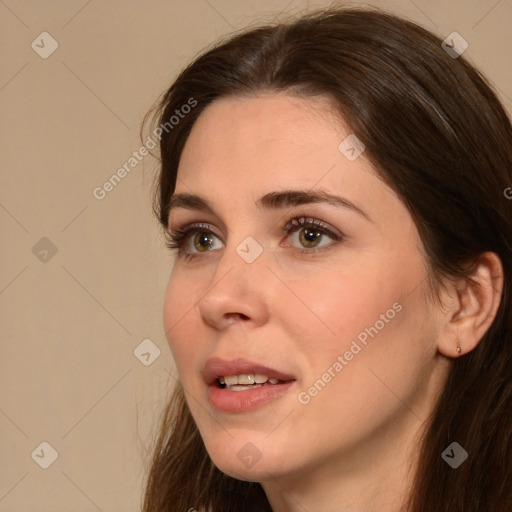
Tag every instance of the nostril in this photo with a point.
(235, 316)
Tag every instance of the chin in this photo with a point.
(248, 458)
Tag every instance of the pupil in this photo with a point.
(310, 236)
(203, 241)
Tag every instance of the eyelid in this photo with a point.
(193, 226)
(301, 221)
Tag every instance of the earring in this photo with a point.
(459, 349)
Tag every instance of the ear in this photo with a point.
(471, 306)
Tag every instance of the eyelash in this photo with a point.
(176, 239)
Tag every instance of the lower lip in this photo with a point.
(240, 401)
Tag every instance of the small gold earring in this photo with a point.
(459, 349)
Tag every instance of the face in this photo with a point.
(296, 310)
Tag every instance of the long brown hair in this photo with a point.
(437, 134)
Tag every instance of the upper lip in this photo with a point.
(216, 367)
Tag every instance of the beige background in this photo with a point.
(70, 324)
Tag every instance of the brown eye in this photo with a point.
(310, 237)
(309, 234)
(202, 241)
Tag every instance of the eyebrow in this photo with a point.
(270, 201)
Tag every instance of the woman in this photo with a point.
(339, 307)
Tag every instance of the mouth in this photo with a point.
(240, 385)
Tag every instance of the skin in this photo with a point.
(352, 447)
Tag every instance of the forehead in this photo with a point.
(264, 136)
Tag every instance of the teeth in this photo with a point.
(246, 378)
(231, 379)
(246, 381)
(243, 388)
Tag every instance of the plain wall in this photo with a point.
(72, 320)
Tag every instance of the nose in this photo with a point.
(238, 293)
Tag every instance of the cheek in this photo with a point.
(336, 307)
(375, 340)
(181, 297)
(359, 339)
(353, 386)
